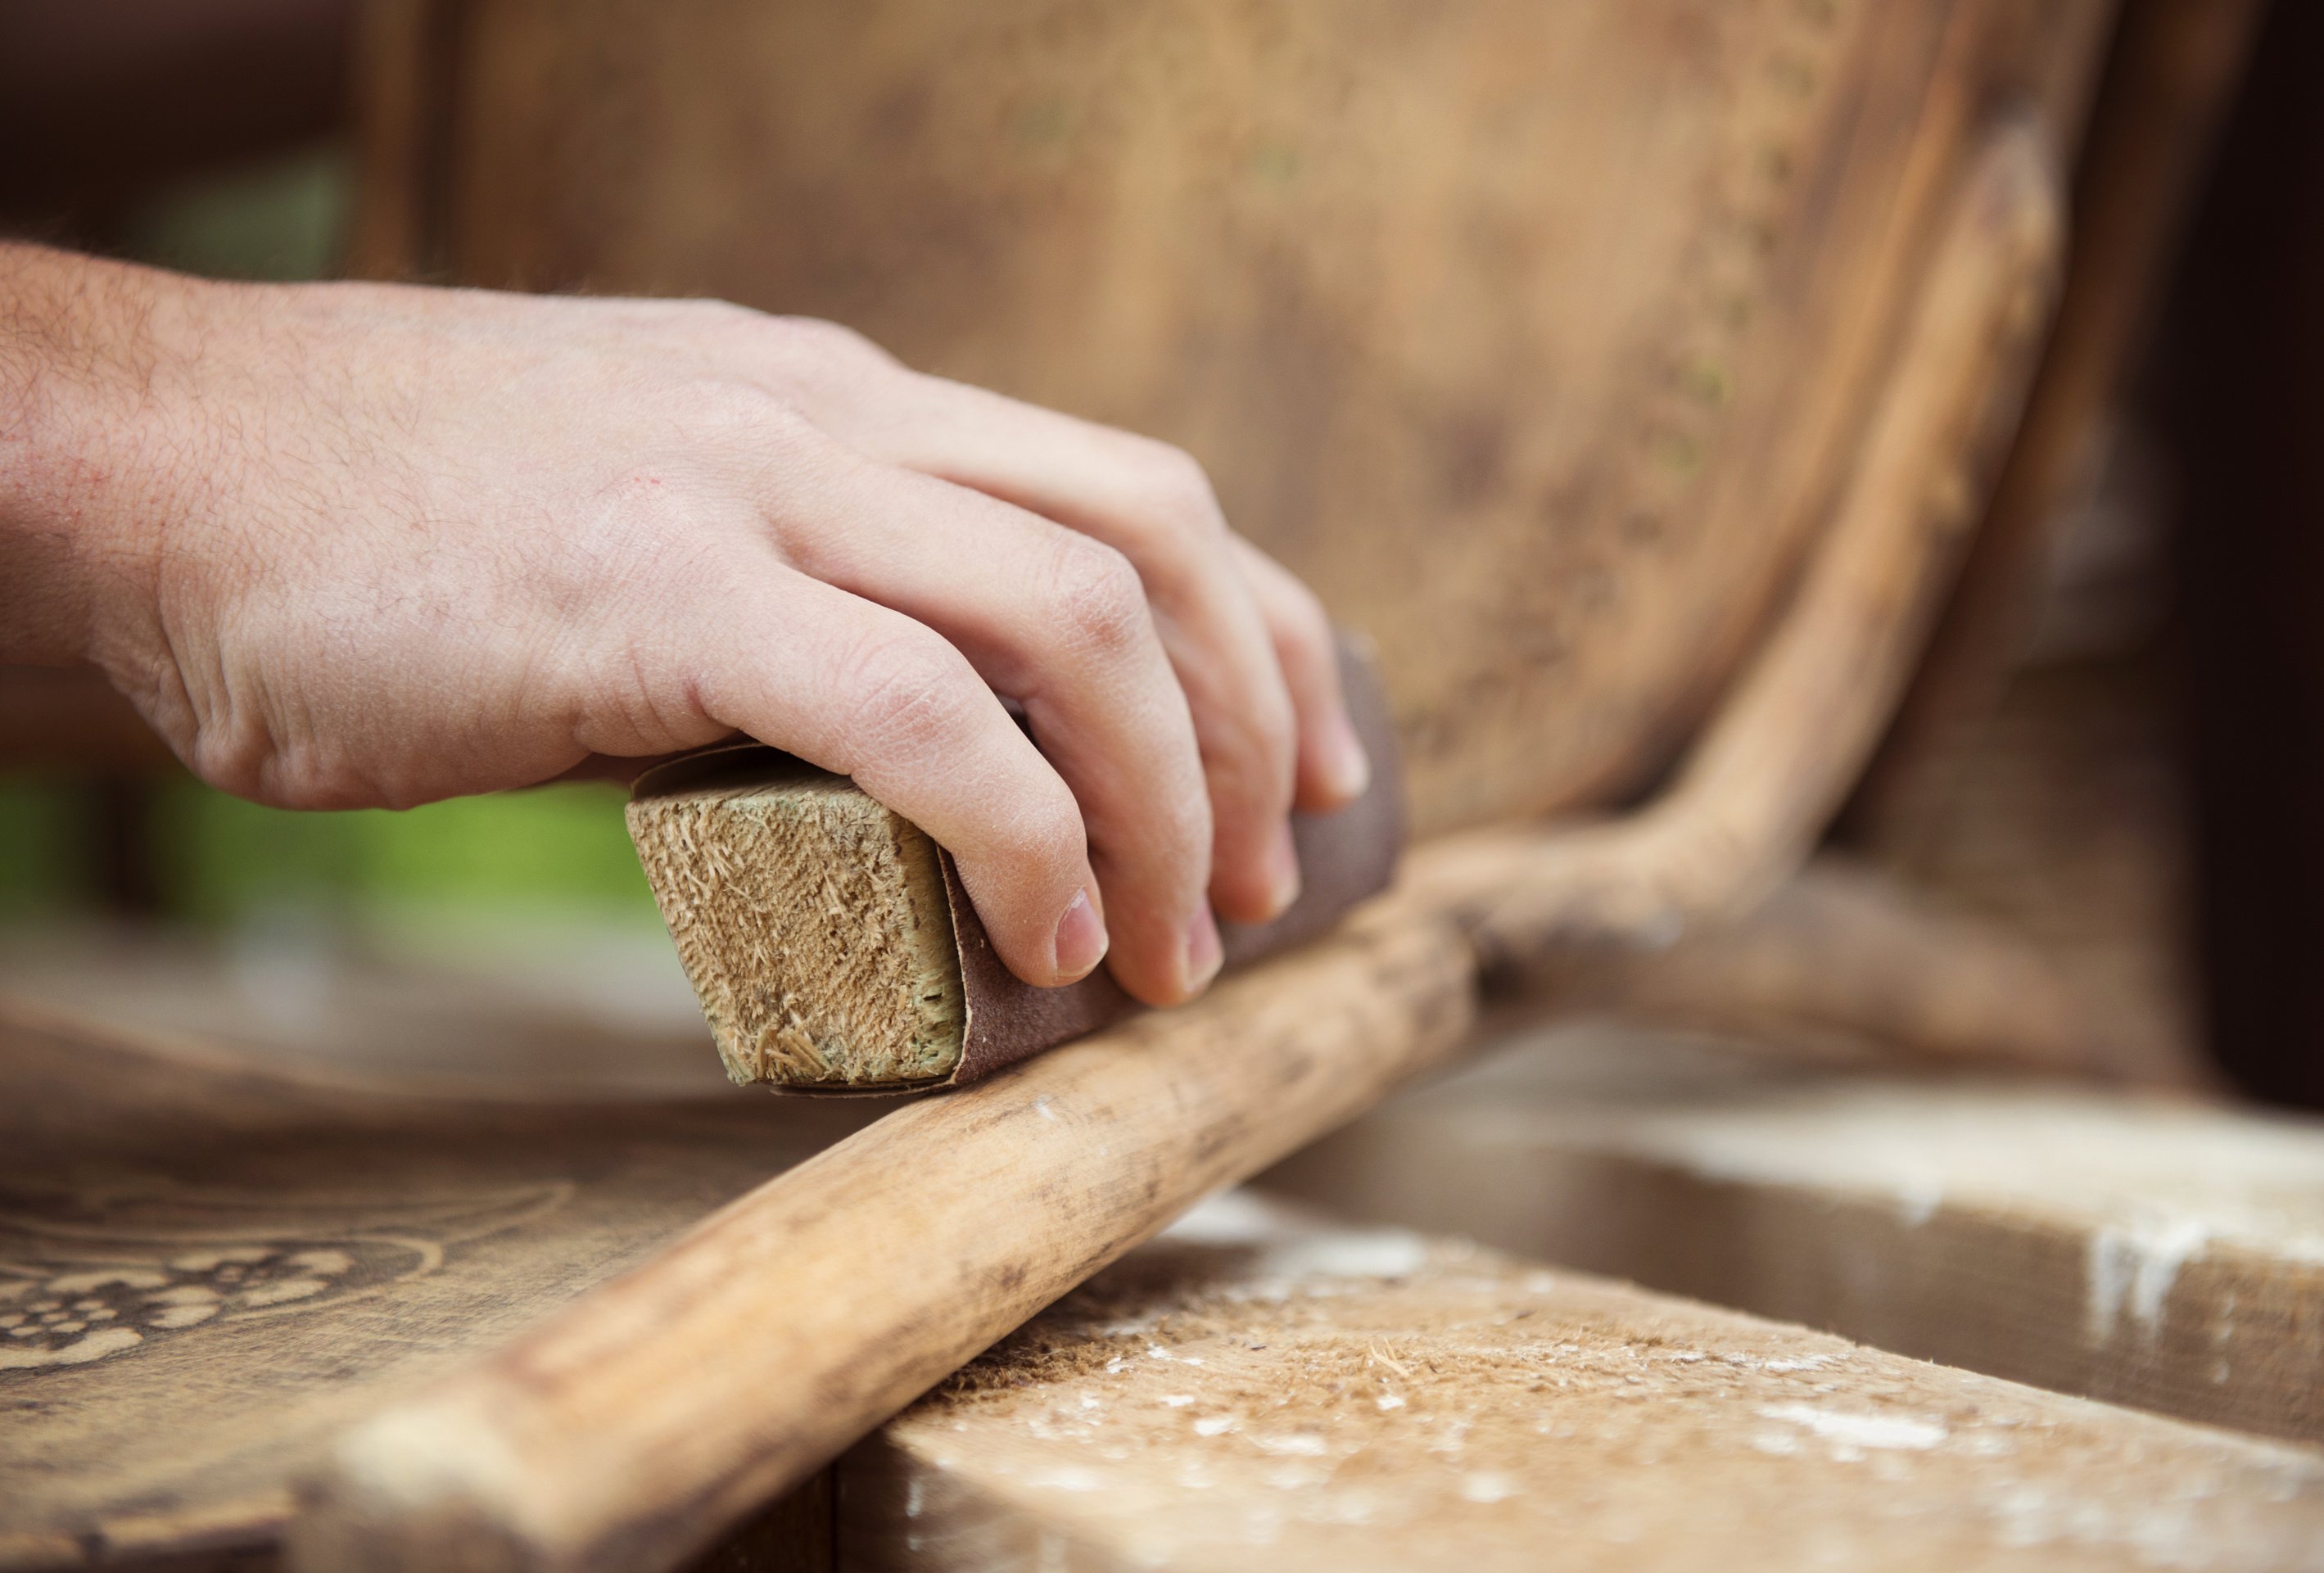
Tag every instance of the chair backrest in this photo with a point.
(1536, 334)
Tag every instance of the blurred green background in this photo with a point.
(216, 862)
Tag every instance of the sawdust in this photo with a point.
(1212, 1410)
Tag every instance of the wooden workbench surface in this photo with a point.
(294, 1253)
(2162, 1252)
(1255, 1393)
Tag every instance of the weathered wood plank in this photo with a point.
(2166, 1254)
(1252, 1393)
(208, 1266)
(898, 1254)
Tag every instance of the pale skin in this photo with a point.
(350, 546)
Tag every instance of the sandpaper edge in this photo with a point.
(1344, 858)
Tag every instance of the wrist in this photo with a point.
(95, 454)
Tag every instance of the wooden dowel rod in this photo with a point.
(633, 1427)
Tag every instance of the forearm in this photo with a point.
(88, 469)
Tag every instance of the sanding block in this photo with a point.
(834, 950)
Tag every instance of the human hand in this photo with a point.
(363, 545)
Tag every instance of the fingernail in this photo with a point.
(1081, 939)
(1347, 768)
(1203, 954)
(1282, 872)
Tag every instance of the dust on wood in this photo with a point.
(2163, 1253)
(1253, 1392)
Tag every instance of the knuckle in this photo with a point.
(729, 414)
(302, 779)
(1296, 619)
(1306, 626)
(718, 403)
(236, 767)
(236, 750)
(1180, 491)
(1188, 828)
(1098, 602)
(1255, 781)
(1250, 754)
(1048, 830)
(1276, 728)
(712, 322)
(831, 347)
(719, 316)
(912, 695)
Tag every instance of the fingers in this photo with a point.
(1249, 649)
(1154, 504)
(867, 692)
(1060, 623)
(1333, 770)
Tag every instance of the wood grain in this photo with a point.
(1780, 755)
(194, 1440)
(191, 1440)
(2160, 1253)
(209, 1266)
(1541, 339)
(1251, 1393)
(813, 922)
(632, 1428)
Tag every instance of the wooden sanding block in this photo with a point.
(834, 950)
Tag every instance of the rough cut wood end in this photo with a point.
(811, 921)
